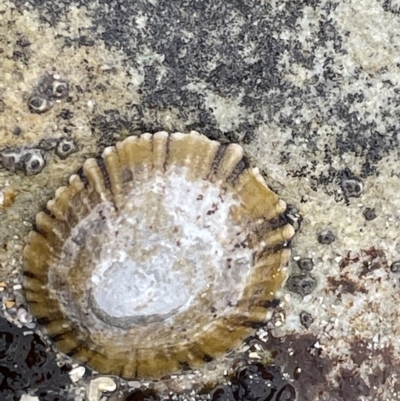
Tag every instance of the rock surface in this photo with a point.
(310, 88)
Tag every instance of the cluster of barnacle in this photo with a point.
(31, 160)
(50, 89)
(302, 283)
(63, 147)
(353, 187)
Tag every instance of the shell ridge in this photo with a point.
(104, 172)
(217, 159)
(167, 153)
(241, 166)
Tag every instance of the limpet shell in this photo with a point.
(157, 256)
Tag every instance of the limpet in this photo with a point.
(157, 257)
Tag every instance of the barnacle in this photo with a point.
(39, 103)
(60, 89)
(395, 267)
(326, 237)
(10, 159)
(305, 264)
(157, 256)
(306, 319)
(369, 214)
(65, 147)
(352, 187)
(34, 161)
(302, 284)
(48, 144)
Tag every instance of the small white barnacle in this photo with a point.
(38, 103)
(33, 161)
(10, 159)
(65, 147)
(161, 254)
(60, 89)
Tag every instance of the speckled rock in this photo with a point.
(309, 88)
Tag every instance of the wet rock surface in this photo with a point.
(26, 364)
(256, 382)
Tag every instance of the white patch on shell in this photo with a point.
(173, 246)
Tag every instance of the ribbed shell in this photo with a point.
(150, 349)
